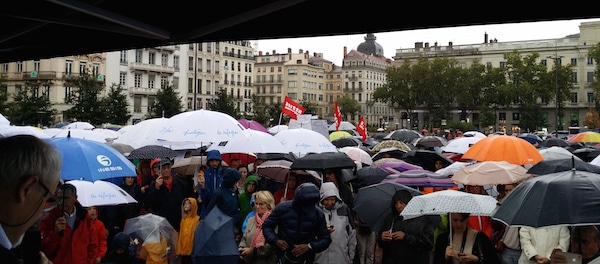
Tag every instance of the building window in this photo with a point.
(590, 97)
(123, 56)
(574, 61)
(164, 59)
(573, 98)
(590, 61)
(151, 58)
(46, 91)
(516, 116)
(68, 67)
(36, 65)
(96, 69)
(68, 92)
(176, 62)
(4, 67)
(151, 80)
(138, 55)
(164, 82)
(137, 104)
(574, 76)
(502, 116)
(137, 80)
(123, 79)
(590, 77)
(82, 67)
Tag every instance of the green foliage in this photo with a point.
(85, 99)
(166, 104)
(29, 109)
(260, 111)
(224, 104)
(310, 107)
(115, 106)
(348, 106)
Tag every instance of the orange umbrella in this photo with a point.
(504, 148)
(585, 137)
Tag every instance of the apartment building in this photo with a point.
(572, 49)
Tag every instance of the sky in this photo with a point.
(332, 47)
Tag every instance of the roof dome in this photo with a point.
(370, 47)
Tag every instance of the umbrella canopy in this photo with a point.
(143, 134)
(188, 165)
(213, 236)
(339, 134)
(276, 129)
(89, 160)
(449, 201)
(81, 133)
(373, 203)
(420, 178)
(557, 165)
(253, 124)
(531, 138)
(152, 152)
(100, 193)
(426, 158)
(556, 153)
(256, 141)
(344, 125)
(153, 237)
(391, 152)
(502, 147)
(370, 175)
(79, 125)
(301, 141)
(394, 166)
(357, 154)
(404, 135)
(122, 148)
(200, 126)
(454, 167)
(476, 134)
(554, 142)
(491, 172)
(567, 198)
(279, 170)
(8, 131)
(460, 145)
(4, 121)
(346, 142)
(390, 143)
(585, 137)
(323, 161)
(428, 142)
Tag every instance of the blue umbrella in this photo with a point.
(214, 239)
(89, 160)
(531, 138)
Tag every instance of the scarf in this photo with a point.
(258, 240)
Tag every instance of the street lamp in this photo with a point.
(556, 64)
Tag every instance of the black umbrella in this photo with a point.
(323, 161)
(550, 142)
(346, 142)
(567, 198)
(370, 175)
(404, 135)
(151, 152)
(557, 165)
(430, 142)
(583, 153)
(426, 158)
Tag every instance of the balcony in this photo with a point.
(142, 91)
(42, 76)
(138, 66)
(353, 90)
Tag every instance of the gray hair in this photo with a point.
(26, 155)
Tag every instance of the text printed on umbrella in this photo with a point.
(103, 196)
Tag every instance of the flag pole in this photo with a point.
(280, 116)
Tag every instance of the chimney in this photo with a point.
(260, 53)
(274, 52)
(289, 50)
(345, 51)
(485, 38)
(450, 44)
(418, 45)
(300, 51)
(426, 44)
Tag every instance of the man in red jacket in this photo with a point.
(68, 235)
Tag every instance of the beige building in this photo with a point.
(572, 49)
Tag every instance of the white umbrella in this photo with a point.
(8, 131)
(100, 192)
(144, 134)
(357, 154)
(301, 141)
(555, 152)
(449, 201)
(276, 129)
(107, 133)
(4, 121)
(81, 133)
(476, 134)
(344, 125)
(79, 125)
(200, 126)
(257, 142)
(460, 145)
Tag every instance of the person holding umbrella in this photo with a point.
(585, 240)
(166, 194)
(212, 179)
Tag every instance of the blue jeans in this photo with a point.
(510, 256)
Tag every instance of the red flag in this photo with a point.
(338, 116)
(361, 128)
(291, 108)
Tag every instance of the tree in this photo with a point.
(309, 106)
(260, 110)
(85, 100)
(594, 53)
(115, 105)
(3, 93)
(166, 104)
(592, 119)
(224, 104)
(348, 106)
(30, 108)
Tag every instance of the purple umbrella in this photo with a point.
(251, 124)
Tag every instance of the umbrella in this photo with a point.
(373, 203)
(152, 236)
(370, 175)
(4, 121)
(595, 161)
(143, 134)
(152, 152)
(420, 178)
(278, 170)
(80, 133)
(430, 142)
(390, 144)
(584, 153)
(301, 141)
(276, 129)
(214, 236)
(256, 141)
(394, 166)
(8, 131)
(426, 158)
(491, 172)
(556, 153)
(244, 158)
(344, 125)
(188, 165)
(553, 141)
(449, 201)
(585, 137)
(476, 134)
(100, 193)
(322, 161)
(454, 167)
(391, 152)
(89, 160)
(200, 126)
(531, 138)
(79, 125)
(122, 148)
(339, 134)
(253, 124)
(557, 165)
(566, 198)
(404, 135)
(357, 154)
(346, 142)
(502, 147)
(460, 145)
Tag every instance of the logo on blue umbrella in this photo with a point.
(104, 160)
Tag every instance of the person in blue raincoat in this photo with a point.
(212, 179)
(216, 243)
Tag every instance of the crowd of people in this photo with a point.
(227, 213)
